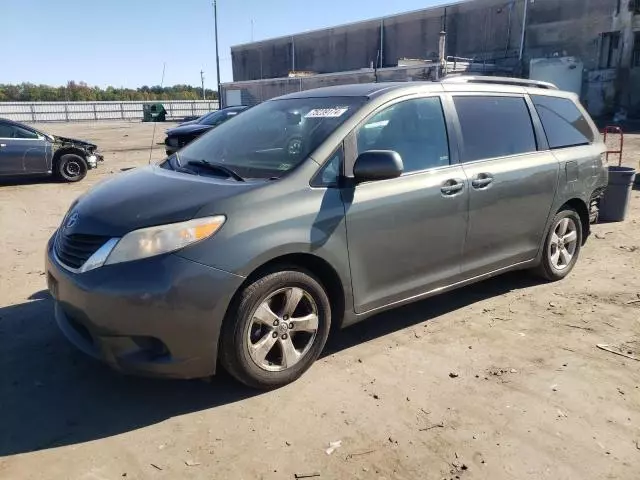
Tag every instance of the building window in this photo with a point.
(636, 6)
(609, 49)
(636, 50)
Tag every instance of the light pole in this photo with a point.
(524, 29)
(204, 97)
(215, 21)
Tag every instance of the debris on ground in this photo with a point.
(453, 375)
(437, 425)
(608, 348)
(155, 466)
(333, 446)
(588, 329)
(458, 467)
(306, 475)
(357, 454)
(191, 463)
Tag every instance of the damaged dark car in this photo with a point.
(27, 151)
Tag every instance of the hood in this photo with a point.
(149, 196)
(74, 141)
(192, 129)
(188, 122)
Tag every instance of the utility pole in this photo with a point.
(215, 21)
(293, 55)
(524, 30)
(204, 97)
(252, 29)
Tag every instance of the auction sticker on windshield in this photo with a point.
(326, 112)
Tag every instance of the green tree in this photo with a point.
(80, 91)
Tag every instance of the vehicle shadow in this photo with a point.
(52, 395)
(426, 310)
(27, 180)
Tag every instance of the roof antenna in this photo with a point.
(153, 137)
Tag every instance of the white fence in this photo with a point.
(95, 111)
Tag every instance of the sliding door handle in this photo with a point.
(482, 180)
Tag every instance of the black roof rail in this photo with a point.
(518, 82)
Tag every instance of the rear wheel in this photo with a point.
(277, 330)
(71, 167)
(562, 246)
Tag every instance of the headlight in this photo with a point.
(148, 242)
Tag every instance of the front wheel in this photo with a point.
(562, 246)
(71, 168)
(277, 330)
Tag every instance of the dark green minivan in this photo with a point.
(319, 209)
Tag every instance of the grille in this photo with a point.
(74, 250)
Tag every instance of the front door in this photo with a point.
(10, 159)
(512, 183)
(406, 235)
(22, 151)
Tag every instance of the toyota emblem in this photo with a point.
(72, 220)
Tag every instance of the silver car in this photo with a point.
(243, 251)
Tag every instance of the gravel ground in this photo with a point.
(499, 380)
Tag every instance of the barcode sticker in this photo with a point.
(326, 112)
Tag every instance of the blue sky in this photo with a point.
(125, 42)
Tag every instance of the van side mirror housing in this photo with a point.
(375, 165)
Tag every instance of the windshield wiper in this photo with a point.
(217, 167)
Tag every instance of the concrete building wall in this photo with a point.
(486, 29)
(569, 28)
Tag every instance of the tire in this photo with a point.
(71, 167)
(561, 251)
(249, 325)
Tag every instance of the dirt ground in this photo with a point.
(500, 380)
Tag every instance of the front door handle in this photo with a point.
(482, 180)
(452, 187)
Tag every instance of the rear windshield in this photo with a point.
(563, 123)
(272, 138)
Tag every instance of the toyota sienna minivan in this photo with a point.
(241, 251)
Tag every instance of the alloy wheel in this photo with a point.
(282, 329)
(563, 243)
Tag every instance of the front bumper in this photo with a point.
(158, 317)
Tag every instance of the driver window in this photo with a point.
(415, 129)
(6, 130)
(23, 133)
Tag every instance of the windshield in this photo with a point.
(211, 118)
(272, 138)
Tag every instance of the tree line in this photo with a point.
(81, 92)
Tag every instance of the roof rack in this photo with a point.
(518, 82)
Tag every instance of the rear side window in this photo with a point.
(494, 127)
(563, 123)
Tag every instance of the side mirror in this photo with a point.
(377, 165)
